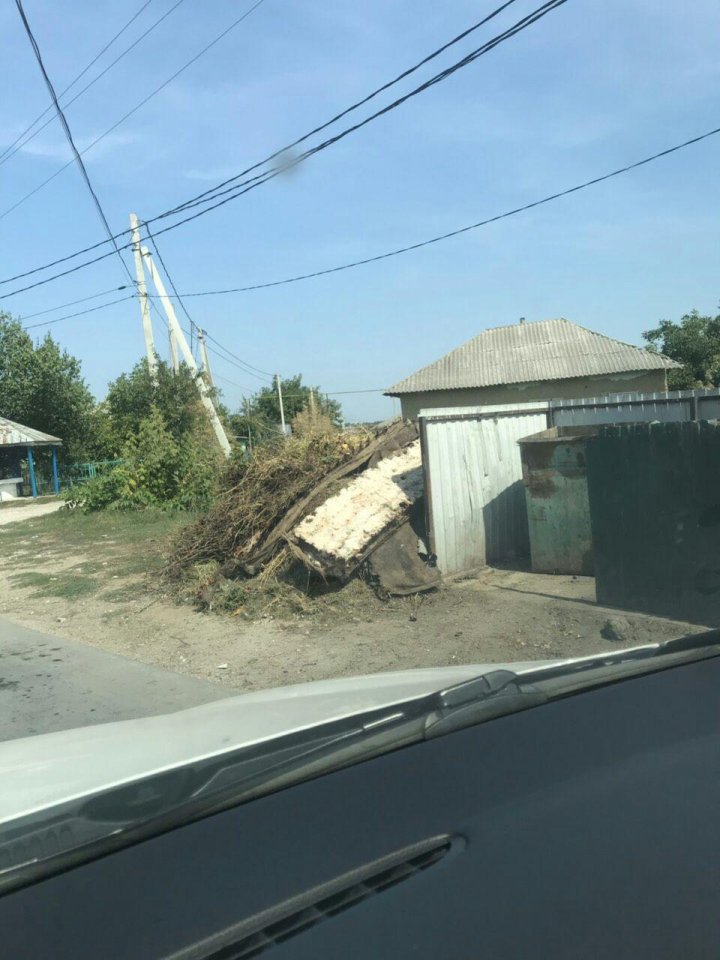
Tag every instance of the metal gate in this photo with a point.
(473, 482)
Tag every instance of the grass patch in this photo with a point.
(71, 528)
(106, 545)
(69, 586)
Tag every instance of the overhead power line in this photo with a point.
(354, 106)
(80, 313)
(68, 134)
(244, 186)
(170, 279)
(241, 364)
(261, 178)
(444, 236)
(72, 303)
(137, 106)
(250, 366)
(24, 139)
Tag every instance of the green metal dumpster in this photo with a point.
(556, 492)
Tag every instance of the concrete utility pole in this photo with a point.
(282, 410)
(175, 363)
(205, 358)
(143, 297)
(187, 353)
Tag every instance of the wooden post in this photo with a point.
(56, 477)
(31, 471)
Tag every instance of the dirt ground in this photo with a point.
(93, 579)
(14, 511)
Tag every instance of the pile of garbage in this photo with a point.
(333, 503)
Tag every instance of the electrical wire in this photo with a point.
(232, 363)
(460, 230)
(137, 106)
(238, 189)
(358, 103)
(235, 191)
(16, 145)
(415, 246)
(241, 364)
(71, 303)
(80, 313)
(239, 359)
(68, 133)
(171, 281)
(263, 177)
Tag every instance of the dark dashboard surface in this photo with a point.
(587, 827)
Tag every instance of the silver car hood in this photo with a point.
(42, 771)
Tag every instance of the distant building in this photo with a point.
(19, 445)
(546, 360)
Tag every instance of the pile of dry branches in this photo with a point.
(241, 529)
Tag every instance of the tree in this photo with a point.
(265, 405)
(41, 386)
(694, 342)
(157, 470)
(133, 397)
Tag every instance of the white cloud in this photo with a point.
(57, 149)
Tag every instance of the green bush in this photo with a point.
(158, 471)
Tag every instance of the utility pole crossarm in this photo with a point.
(189, 359)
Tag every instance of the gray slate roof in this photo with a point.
(529, 352)
(16, 435)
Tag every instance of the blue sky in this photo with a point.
(593, 86)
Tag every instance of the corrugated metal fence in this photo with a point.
(473, 472)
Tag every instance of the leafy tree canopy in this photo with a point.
(133, 397)
(694, 342)
(261, 413)
(41, 386)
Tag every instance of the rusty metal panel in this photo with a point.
(555, 478)
(474, 484)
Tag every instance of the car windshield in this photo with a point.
(470, 246)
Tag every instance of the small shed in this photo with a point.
(17, 443)
(556, 493)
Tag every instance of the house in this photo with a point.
(546, 360)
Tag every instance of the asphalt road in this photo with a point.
(51, 684)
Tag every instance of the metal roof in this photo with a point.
(16, 435)
(530, 352)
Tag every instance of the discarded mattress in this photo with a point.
(346, 528)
